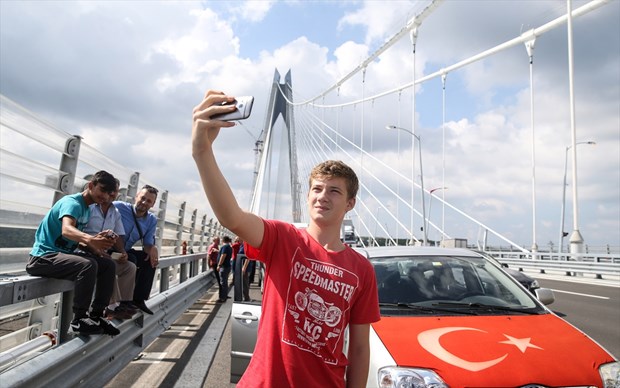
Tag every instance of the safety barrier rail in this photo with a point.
(599, 266)
(91, 361)
(39, 164)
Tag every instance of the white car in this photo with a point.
(452, 318)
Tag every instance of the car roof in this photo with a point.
(387, 251)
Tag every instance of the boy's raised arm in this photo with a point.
(247, 226)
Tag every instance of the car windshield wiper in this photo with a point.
(427, 309)
(489, 307)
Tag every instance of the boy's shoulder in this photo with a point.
(70, 201)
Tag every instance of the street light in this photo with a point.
(413, 178)
(564, 192)
(430, 204)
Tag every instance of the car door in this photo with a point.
(244, 327)
(244, 324)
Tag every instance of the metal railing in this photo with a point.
(39, 164)
(92, 361)
(596, 265)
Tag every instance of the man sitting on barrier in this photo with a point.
(140, 224)
(53, 254)
(105, 216)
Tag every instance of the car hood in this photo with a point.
(497, 351)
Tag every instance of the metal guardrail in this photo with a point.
(92, 361)
(40, 163)
(599, 266)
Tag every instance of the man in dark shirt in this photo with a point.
(224, 266)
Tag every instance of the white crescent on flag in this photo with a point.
(429, 340)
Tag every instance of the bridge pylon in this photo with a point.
(280, 105)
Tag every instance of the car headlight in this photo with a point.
(534, 284)
(610, 373)
(395, 377)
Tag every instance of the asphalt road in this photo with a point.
(594, 309)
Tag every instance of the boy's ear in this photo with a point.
(351, 204)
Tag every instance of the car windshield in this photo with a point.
(448, 285)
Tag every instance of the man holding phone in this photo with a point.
(105, 217)
(296, 346)
(53, 254)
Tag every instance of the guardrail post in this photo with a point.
(66, 180)
(132, 187)
(68, 166)
(180, 220)
(164, 280)
(203, 230)
(159, 234)
(183, 271)
(161, 219)
(193, 265)
(66, 316)
(179, 239)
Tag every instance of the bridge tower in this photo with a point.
(280, 104)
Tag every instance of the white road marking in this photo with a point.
(580, 294)
(151, 357)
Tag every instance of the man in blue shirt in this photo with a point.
(140, 225)
(105, 216)
(53, 256)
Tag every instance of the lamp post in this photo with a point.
(430, 204)
(413, 178)
(564, 192)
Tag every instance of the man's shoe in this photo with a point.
(107, 327)
(142, 306)
(86, 326)
(127, 304)
(126, 308)
(117, 313)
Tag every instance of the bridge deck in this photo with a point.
(194, 352)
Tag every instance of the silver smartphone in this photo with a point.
(244, 108)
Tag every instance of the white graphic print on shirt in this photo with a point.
(318, 296)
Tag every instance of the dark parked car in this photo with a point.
(527, 281)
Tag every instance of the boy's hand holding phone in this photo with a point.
(244, 108)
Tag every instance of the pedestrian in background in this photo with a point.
(213, 251)
(224, 266)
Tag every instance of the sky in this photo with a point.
(126, 75)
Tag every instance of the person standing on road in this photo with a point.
(141, 225)
(53, 254)
(223, 267)
(247, 266)
(235, 250)
(213, 252)
(315, 286)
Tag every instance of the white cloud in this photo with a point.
(126, 78)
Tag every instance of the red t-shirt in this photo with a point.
(235, 247)
(212, 252)
(309, 298)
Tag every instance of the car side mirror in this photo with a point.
(545, 296)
